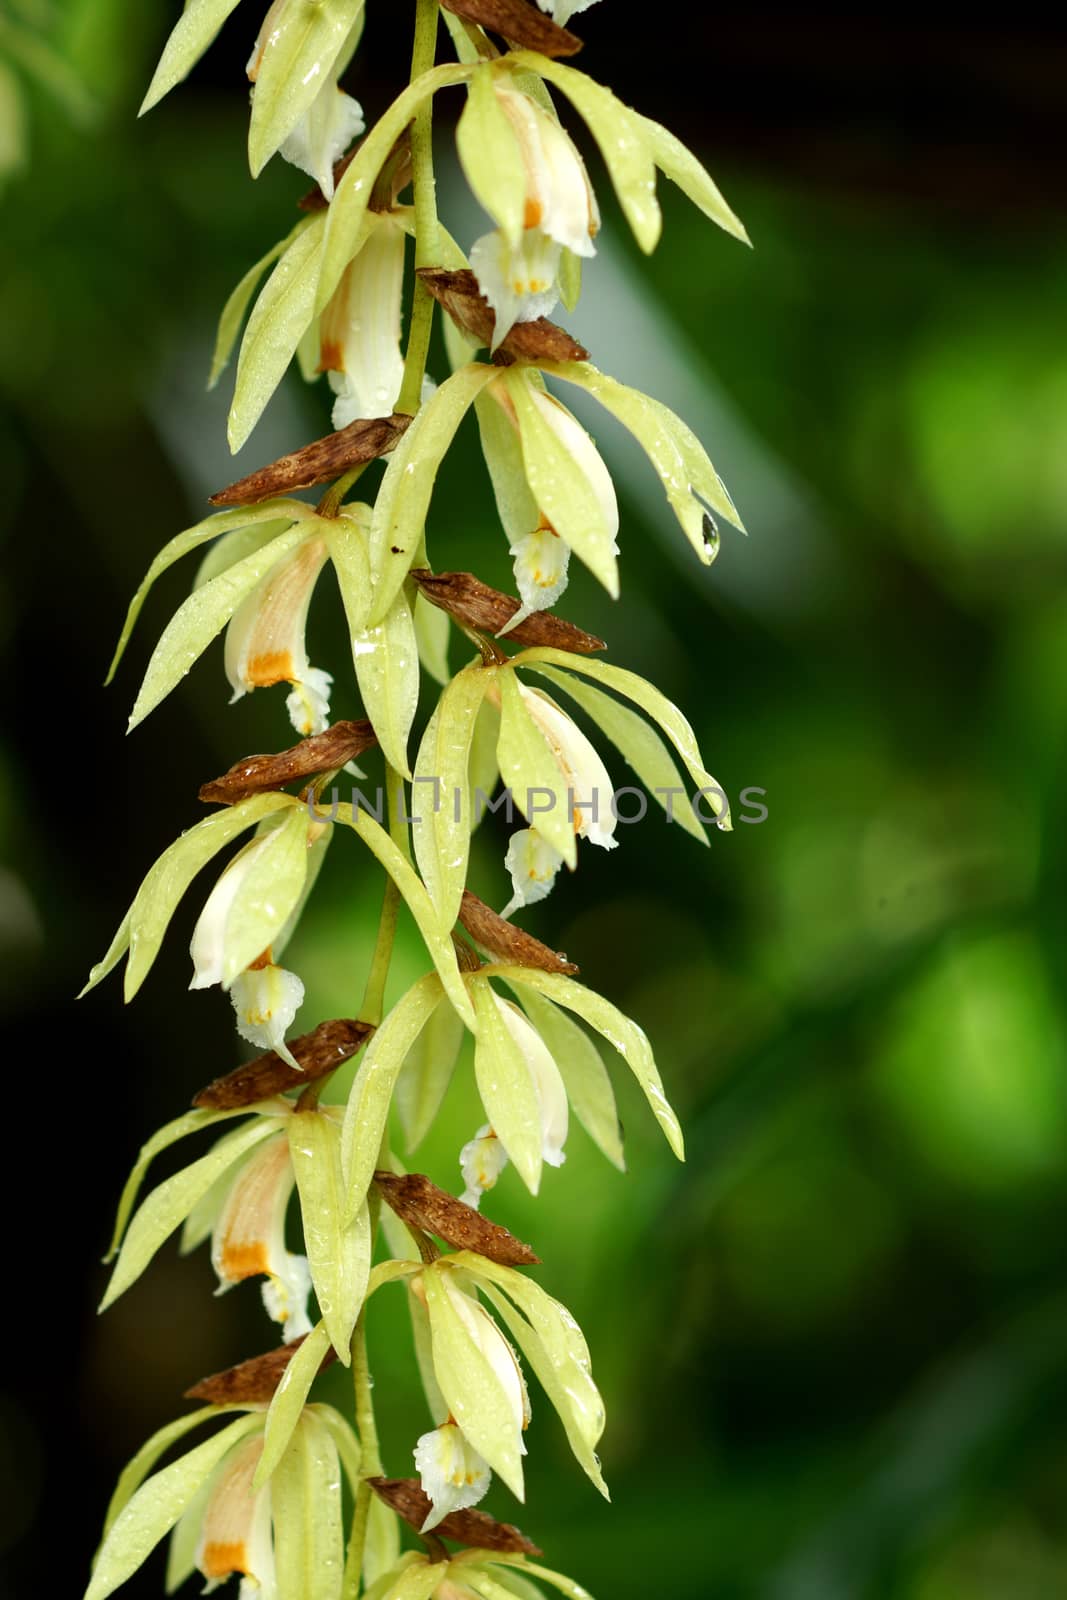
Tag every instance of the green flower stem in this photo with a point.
(423, 55)
(371, 1460)
(330, 504)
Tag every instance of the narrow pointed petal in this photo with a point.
(295, 56)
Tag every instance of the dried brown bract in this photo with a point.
(422, 1204)
(519, 23)
(539, 340)
(323, 752)
(507, 942)
(474, 604)
(319, 462)
(473, 1528)
(321, 1051)
(251, 1382)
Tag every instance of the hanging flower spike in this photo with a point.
(235, 1534)
(248, 1239)
(451, 1472)
(533, 866)
(360, 329)
(265, 638)
(527, 173)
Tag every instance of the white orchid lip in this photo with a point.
(533, 865)
(451, 1472)
(235, 1534)
(481, 1162)
(359, 334)
(520, 282)
(323, 134)
(249, 1236)
(265, 637)
(266, 999)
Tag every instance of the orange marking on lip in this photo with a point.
(532, 213)
(331, 356)
(221, 1557)
(244, 1260)
(273, 666)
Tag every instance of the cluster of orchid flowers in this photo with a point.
(263, 1497)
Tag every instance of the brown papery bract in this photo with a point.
(322, 1050)
(476, 605)
(473, 1528)
(422, 1204)
(254, 1381)
(507, 942)
(319, 462)
(519, 23)
(323, 752)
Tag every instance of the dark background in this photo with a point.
(834, 1344)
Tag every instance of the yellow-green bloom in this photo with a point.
(540, 198)
(522, 426)
(321, 132)
(238, 1195)
(222, 1519)
(478, 1374)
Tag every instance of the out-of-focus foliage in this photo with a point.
(834, 1344)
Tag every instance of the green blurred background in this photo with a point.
(834, 1343)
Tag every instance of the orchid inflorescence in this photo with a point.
(264, 1495)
